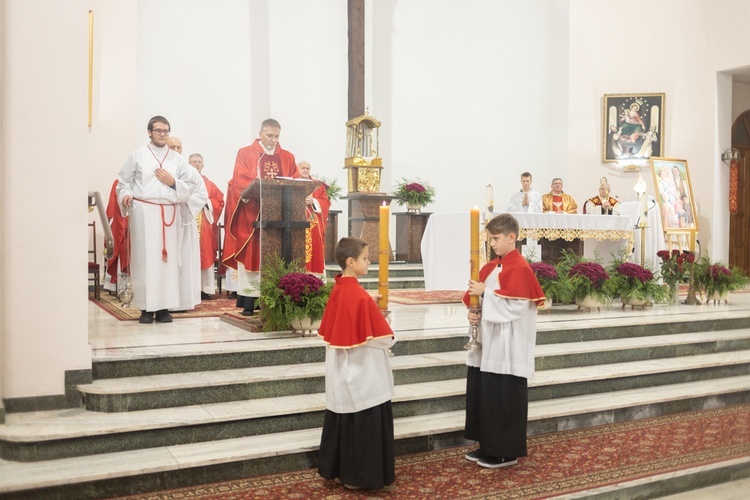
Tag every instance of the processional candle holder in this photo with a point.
(473, 344)
(126, 296)
(386, 315)
(474, 306)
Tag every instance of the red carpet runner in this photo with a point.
(558, 463)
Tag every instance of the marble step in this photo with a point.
(395, 270)
(280, 348)
(129, 472)
(183, 389)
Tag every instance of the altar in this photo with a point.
(445, 244)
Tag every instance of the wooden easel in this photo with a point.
(680, 239)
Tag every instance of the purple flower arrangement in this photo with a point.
(544, 271)
(592, 271)
(635, 272)
(415, 187)
(299, 285)
(716, 271)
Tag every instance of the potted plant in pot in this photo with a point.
(290, 297)
(556, 288)
(414, 194)
(717, 280)
(587, 280)
(634, 284)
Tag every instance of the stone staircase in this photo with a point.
(400, 276)
(254, 407)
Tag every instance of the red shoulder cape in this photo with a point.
(351, 317)
(517, 280)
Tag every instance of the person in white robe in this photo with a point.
(526, 200)
(153, 184)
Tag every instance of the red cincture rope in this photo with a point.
(164, 224)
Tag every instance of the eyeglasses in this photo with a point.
(160, 131)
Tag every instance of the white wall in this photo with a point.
(43, 144)
(672, 46)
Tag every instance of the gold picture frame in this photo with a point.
(633, 127)
(674, 193)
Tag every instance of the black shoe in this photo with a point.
(205, 296)
(475, 456)
(163, 316)
(232, 295)
(146, 317)
(247, 312)
(496, 463)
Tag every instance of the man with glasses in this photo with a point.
(153, 184)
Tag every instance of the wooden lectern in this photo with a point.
(282, 215)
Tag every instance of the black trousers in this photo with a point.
(497, 409)
(357, 447)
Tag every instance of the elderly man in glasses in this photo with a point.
(153, 184)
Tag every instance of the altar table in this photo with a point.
(445, 244)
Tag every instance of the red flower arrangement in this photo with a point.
(414, 193)
(633, 282)
(673, 266)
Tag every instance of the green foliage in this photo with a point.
(333, 190)
(278, 308)
(717, 278)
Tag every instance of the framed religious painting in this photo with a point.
(674, 193)
(633, 127)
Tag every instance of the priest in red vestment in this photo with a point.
(263, 159)
(317, 205)
(119, 226)
(208, 219)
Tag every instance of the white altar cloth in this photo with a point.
(445, 243)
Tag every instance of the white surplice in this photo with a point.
(155, 281)
(534, 206)
(507, 333)
(190, 253)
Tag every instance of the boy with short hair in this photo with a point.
(356, 448)
(497, 399)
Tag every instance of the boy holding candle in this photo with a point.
(356, 447)
(498, 372)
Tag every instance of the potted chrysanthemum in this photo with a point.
(289, 296)
(556, 287)
(634, 284)
(414, 194)
(587, 281)
(717, 280)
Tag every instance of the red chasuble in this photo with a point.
(315, 235)
(208, 231)
(517, 280)
(252, 162)
(119, 226)
(351, 317)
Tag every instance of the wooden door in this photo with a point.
(739, 223)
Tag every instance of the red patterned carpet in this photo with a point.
(414, 297)
(206, 309)
(558, 463)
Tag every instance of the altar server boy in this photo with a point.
(497, 399)
(356, 448)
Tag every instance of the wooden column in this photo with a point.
(364, 218)
(332, 235)
(409, 231)
(356, 15)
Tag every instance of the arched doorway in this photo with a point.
(739, 223)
